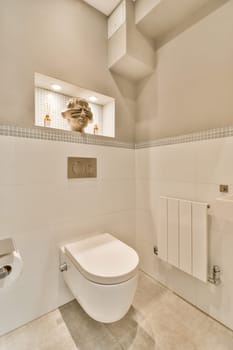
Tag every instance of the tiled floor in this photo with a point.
(158, 320)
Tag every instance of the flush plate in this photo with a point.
(79, 167)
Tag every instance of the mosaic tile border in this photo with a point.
(197, 136)
(63, 136)
(67, 136)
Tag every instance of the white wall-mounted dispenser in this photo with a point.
(11, 263)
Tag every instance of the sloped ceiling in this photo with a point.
(104, 6)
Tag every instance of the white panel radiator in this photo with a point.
(183, 235)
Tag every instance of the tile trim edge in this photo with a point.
(66, 136)
(193, 137)
(63, 136)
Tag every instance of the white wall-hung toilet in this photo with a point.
(101, 272)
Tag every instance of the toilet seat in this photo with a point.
(103, 259)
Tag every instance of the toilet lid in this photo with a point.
(103, 259)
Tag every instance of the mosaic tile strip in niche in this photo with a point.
(53, 103)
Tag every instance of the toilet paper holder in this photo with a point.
(5, 271)
(11, 263)
(6, 247)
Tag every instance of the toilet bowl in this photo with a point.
(101, 272)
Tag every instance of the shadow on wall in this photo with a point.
(125, 103)
(125, 87)
(122, 335)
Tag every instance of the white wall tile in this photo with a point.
(117, 195)
(120, 224)
(214, 163)
(191, 171)
(145, 240)
(183, 284)
(41, 209)
(117, 164)
(142, 163)
(38, 162)
(174, 163)
(143, 188)
(7, 211)
(7, 160)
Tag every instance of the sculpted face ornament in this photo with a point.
(78, 114)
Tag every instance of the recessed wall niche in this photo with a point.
(52, 95)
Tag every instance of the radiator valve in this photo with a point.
(214, 276)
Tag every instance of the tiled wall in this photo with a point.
(40, 208)
(192, 171)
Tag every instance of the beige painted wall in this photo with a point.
(65, 39)
(143, 7)
(192, 87)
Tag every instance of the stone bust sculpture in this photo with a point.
(78, 114)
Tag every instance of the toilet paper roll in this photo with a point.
(13, 265)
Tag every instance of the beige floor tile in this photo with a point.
(46, 333)
(87, 333)
(133, 331)
(177, 325)
(157, 320)
(148, 293)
